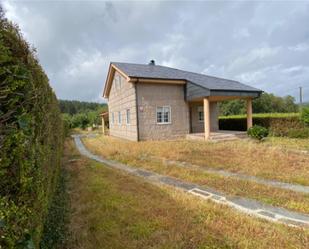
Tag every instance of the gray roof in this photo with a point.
(162, 72)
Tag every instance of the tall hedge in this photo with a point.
(31, 141)
(277, 125)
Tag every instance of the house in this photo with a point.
(152, 102)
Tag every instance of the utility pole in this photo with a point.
(300, 97)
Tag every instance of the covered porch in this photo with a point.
(204, 112)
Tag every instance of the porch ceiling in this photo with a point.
(217, 98)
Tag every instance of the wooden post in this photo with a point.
(206, 118)
(249, 113)
(103, 126)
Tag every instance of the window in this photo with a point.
(119, 117)
(164, 115)
(128, 116)
(117, 81)
(113, 118)
(200, 111)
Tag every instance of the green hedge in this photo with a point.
(31, 141)
(278, 124)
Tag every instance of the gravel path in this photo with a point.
(241, 204)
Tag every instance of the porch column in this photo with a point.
(103, 125)
(249, 113)
(206, 118)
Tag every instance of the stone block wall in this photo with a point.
(149, 97)
(122, 97)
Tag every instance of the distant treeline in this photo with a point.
(73, 106)
(266, 103)
(81, 114)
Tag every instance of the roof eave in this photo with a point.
(134, 79)
(108, 82)
(235, 90)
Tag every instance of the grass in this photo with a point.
(55, 227)
(289, 143)
(263, 115)
(248, 157)
(110, 209)
(141, 155)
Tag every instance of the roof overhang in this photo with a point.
(238, 93)
(196, 92)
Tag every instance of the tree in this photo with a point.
(80, 120)
(266, 103)
(232, 107)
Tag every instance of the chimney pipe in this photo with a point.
(152, 62)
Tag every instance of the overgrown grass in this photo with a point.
(56, 231)
(55, 227)
(248, 157)
(110, 209)
(141, 155)
(288, 143)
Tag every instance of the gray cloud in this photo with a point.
(264, 44)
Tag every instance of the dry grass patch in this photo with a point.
(246, 157)
(289, 143)
(111, 209)
(127, 152)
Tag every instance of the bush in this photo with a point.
(257, 132)
(305, 115)
(31, 141)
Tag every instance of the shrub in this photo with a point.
(257, 132)
(305, 115)
(31, 141)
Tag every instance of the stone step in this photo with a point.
(219, 136)
(224, 138)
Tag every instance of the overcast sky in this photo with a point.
(263, 44)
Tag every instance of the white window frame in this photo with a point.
(128, 116)
(119, 118)
(200, 109)
(163, 111)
